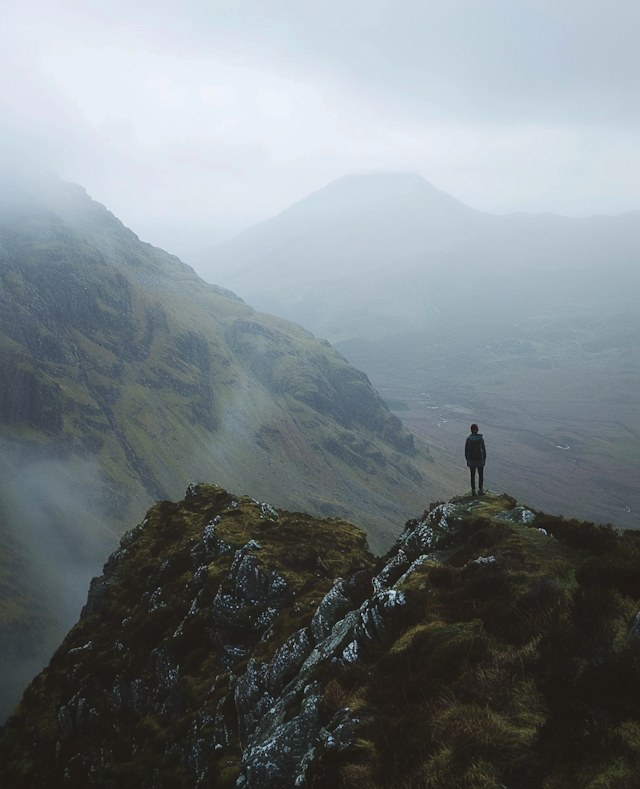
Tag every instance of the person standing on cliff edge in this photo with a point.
(476, 454)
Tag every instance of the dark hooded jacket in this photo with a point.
(475, 451)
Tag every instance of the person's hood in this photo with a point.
(475, 436)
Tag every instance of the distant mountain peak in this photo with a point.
(351, 226)
(400, 182)
(369, 190)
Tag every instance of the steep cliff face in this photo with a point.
(232, 644)
(123, 376)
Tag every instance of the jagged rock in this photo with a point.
(282, 750)
(233, 628)
(420, 536)
(72, 653)
(213, 545)
(248, 667)
(278, 743)
(269, 512)
(77, 715)
(333, 606)
(390, 572)
(155, 601)
(484, 560)
(517, 515)
(99, 588)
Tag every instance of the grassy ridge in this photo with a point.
(514, 660)
(515, 671)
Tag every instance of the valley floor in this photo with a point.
(552, 440)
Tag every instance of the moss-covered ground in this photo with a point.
(518, 671)
(514, 662)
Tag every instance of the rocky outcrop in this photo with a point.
(228, 643)
(216, 591)
(233, 603)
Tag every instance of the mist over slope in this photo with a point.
(124, 377)
(527, 324)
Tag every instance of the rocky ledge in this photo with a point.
(230, 644)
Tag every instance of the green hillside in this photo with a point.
(232, 644)
(124, 377)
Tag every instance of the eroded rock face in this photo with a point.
(271, 603)
(230, 644)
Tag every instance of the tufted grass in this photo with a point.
(516, 672)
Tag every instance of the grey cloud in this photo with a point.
(560, 61)
(185, 117)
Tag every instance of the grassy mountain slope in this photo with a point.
(124, 377)
(493, 646)
(526, 324)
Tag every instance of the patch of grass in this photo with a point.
(516, 670)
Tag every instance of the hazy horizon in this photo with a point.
(192, 123)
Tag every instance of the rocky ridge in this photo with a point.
(229, 643)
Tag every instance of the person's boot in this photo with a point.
(481, 492)
(473, 492)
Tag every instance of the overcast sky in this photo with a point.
(193, 119)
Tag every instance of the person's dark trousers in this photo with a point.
(480, 471)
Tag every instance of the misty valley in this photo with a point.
(266, 460)
(526, 324)
(558, 398)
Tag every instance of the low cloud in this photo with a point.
(50, 516)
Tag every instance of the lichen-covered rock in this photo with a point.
(222, 648)
(420, 536)
(333, 606)
(213, 545)
(244, 607)
(394, 568)
(517, 515)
